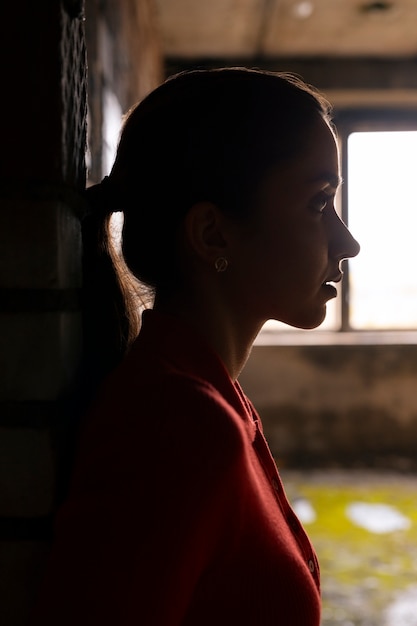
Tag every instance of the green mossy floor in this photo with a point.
(364, 574)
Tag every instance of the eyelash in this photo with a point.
(320, 202)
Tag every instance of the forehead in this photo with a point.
(316, 166)
(319, 160)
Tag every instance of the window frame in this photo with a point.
(364, 120)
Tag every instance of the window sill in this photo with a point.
(323, 337)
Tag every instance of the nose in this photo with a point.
(342, 244)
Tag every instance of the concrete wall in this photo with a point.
(337, 405)
(124, 64)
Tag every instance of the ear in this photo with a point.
(205, 231)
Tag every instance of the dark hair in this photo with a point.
(202, 135)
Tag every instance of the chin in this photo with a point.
(306, 320)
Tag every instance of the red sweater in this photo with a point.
(176, 514)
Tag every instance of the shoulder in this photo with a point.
(193, 407)
(163, 417)
(159, 390)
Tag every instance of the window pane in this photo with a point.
(382, 207)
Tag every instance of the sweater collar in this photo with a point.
(185, 349)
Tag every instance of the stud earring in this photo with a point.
(221, 264)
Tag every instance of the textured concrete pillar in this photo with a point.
(42, 282)
(43, 145)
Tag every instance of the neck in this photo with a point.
(221, 329)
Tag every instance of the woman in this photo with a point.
(176, 513)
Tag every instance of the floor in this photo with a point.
(364, 528)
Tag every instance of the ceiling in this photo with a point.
(193, 29)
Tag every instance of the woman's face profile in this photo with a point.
(290, 248)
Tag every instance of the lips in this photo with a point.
(329, 284)
(334, 279)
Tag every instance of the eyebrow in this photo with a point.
(328, 177)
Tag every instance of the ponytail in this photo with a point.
(113, 298)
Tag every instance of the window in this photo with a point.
(378, 201)
(382, 213)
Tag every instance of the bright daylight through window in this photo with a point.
(382, 210)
